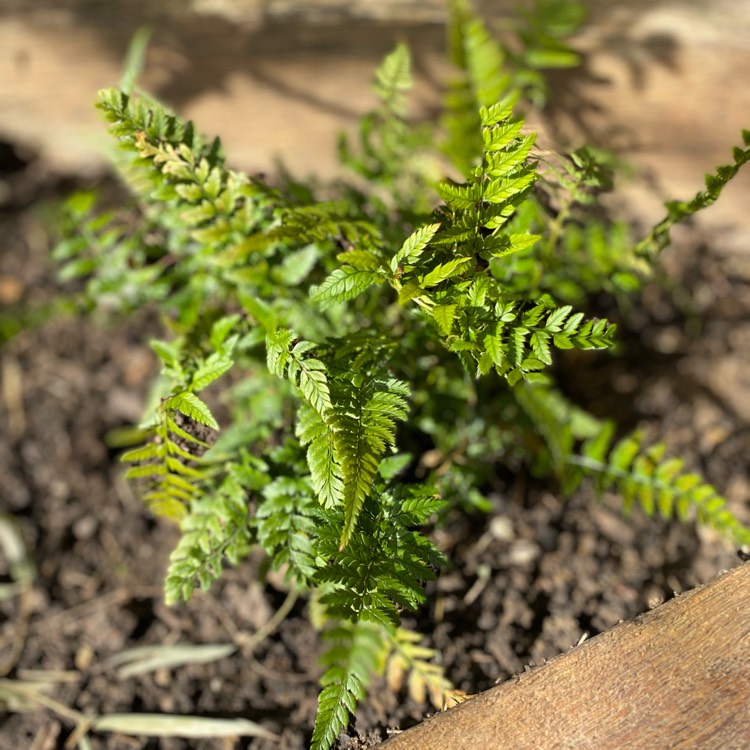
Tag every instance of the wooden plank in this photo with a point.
(676, 677)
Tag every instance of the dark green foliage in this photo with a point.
(381, 569)
(415, 314)
(350, 662)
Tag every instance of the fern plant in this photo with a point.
(353, 341)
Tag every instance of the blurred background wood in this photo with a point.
(663, 81)
(677, 677)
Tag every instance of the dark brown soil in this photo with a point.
(523, 584)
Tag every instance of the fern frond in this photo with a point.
(657, 484)
(326, 221)
(364, 425)
(172, 468)
(561, 425)
(215, 531)
(171, 459)
(379, 572)
(449, 269)
(351, 661)
(385, 563)
(418, 664)
(393, 78)
(190, 405)
(413, 246)
(480, 82)
(287, 528)
(186, 190)
(678, 211)
(210, 370)
(325, 472)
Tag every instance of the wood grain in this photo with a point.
(677, 677)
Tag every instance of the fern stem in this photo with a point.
(558, 223)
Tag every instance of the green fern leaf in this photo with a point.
(313, 383)
(144, 453)
(459, 196)
(419, 506)
(215, 532)
(677, 211)
(278, 343)
(444, 316)
(540, 346)
(176, 430)
(286, 528)
(212, 369)
(655, 483)
(503, 189)
(191, 406)
(500, 137)
(343, 284)
(325, 473)
(394, 73)
(146, 470)
(413, 246)
(361, 259)
(336, 703)
(440, 273)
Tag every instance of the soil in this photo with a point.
(523, 584)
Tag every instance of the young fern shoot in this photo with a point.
(351, 337)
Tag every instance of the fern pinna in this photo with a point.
(415, 315)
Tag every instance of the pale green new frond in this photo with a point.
(325, 473)
(393, 78)
(481, 82)
(678, 211)
(170, 459)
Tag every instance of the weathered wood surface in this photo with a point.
(280, 78)
(677, 677)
